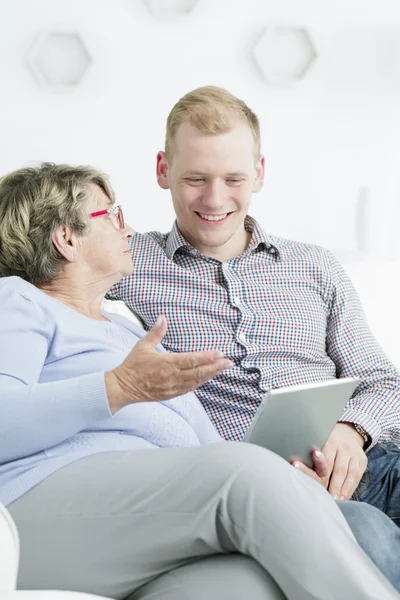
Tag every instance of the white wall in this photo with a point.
(324, 141)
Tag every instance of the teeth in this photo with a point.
(213, 217)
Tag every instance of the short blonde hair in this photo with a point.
(210, 110)
(33, 202)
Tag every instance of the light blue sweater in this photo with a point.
(53, 403)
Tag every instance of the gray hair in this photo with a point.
(33, 202)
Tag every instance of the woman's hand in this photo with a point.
(147, 375)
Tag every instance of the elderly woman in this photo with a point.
(118, 483)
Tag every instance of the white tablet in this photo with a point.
(294, 421)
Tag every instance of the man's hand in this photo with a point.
(341, 464)
(147, 375)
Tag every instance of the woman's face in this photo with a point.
(105, 249)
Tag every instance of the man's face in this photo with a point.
(212, 178)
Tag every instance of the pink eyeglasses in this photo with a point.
(116, 211)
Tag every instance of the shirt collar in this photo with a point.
(175, 241)
(258, 235)
(259, 240)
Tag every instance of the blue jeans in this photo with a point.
(380, 484)
(374, 512)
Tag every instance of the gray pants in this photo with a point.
(142, 524)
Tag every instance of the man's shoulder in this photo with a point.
(290, 250)
(154, 239)
(294, 250)
(160, 248)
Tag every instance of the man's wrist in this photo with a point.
(363, 434)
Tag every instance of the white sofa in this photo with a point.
(9, 559)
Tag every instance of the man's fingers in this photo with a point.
(354, 474)
(329, 451)
(310, 472)
(320, 464)
(339, 474)
(320, 472)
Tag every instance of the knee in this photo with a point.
(371, 527)
(377, 535)
(360, 514)
(252, 465)
(240, 456)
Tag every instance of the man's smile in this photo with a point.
(213, 218)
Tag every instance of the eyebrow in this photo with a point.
(191, 172)
(234, 174)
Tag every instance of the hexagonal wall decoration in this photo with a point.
(59, 59)
(171, 9)
(284, 54)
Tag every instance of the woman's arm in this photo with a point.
(35, 416)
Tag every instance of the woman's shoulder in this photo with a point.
(12, 288)
(21, 308)
(24, 300)
(15, 286)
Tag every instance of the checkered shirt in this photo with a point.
(284, 312)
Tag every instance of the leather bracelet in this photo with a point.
(365, 436)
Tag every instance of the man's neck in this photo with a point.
(231, 249)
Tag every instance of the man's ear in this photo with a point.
(66, 242)
(260, 170)
(162, 171)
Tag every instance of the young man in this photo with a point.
(284, 312)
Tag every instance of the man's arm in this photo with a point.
(375, 405)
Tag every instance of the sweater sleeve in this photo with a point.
(35, 416)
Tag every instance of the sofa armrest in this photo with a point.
(9, 552)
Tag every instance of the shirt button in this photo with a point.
(236, 300)
(242, 337)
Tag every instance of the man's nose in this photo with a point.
(214, 195)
